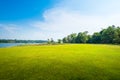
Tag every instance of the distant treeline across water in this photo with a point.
(21, 41)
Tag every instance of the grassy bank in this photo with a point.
(60, 62)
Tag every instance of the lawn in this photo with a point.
(60, 62)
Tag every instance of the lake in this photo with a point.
(13, 44)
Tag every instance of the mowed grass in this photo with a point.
(60, 62)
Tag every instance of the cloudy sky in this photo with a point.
(43, 19)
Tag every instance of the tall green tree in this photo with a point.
(108, 35)
(96, 37)
(82, 37)
(117, 35)
(65, 40)
(73, 37)
(59, 41)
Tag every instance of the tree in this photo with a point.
(117, 35)
(52, 41)
(96, 37)
(89, 39)
(65, 40)
(72, 38)
(59, 41)
(82, 37)
(108, 35)
(48, 41)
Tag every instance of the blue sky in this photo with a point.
(43, 19)
(17, 10)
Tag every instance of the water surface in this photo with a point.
(13, 44)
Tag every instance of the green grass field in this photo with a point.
(60, 62)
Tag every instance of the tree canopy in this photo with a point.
(108, 35)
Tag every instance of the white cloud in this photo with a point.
(71, 16)
(59, 22)
(101, 7)
(9, 31)
(10, 28)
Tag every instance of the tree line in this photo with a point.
(110, 35)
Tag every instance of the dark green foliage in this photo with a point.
(96, 38)
(70, 38)
(65, 40)
(117, 39)
(82, 37)
(73, 37)
(59, 41)
(108, 35)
